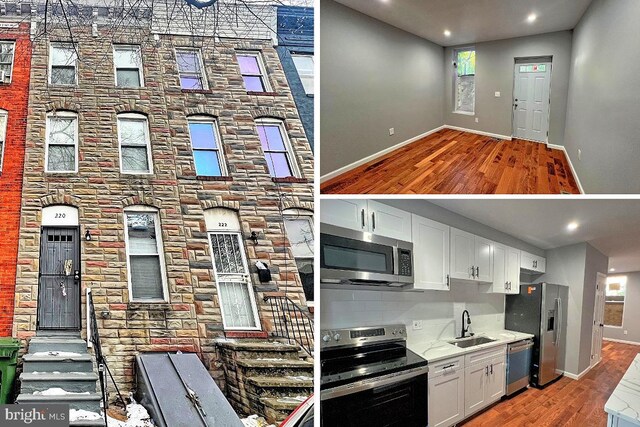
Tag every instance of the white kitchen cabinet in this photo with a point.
(367, 215)
(430, 254)
(484, 379)
(532, 263)
(471, 257)
(496, 379)
(506, 270)
(513, 271)
(475, 389)
(446, 393)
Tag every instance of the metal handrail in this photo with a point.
(291, 322)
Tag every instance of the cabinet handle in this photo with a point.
(362, 215)
(478, 272)
(373, 218)
(473, 272)
(449, 366)
(448, 282)
(486, 371)
(506, 285)
(492, 369)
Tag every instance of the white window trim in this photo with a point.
(291, 156)
(13, 59)
(5, 114)
(216, 132)
(142, 118)
(115, 68)
(263, 70)
(249, 283)
(205, 83)
(455, 83)
(75, 63)
(160, 254)
(61, 114)
(312, 74)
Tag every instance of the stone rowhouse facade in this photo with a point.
(295, 35)
(14, 98)
(191, 321)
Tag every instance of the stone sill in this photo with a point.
(214, 178)
(205, 91)
(248, 334)
(263, 93)
(149, 306)
(290, 180)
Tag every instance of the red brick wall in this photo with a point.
(14, 99)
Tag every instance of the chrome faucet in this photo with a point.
(465, 329)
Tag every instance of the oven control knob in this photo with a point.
(326, 338)
(336, 337)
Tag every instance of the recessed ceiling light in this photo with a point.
(532, 17)
(447, 33)
(612, 270)
(572, 226)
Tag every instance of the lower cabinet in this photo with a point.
(446, 395)
(484, 379)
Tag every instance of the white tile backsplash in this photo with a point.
(440, 312)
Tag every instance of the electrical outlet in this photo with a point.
(626, 332)
(498, 94)
(579, 154)
(417, 325)
(392, 131)
(477, 120)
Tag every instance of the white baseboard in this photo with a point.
(374, 156)
(621, 341)
(479, 132)
(580, 375)
(573, 170)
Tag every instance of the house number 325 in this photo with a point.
(60, 215)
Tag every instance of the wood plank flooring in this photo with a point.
(566, 402)
(454, 162)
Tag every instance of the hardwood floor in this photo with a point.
(454, 162)
(566, 402)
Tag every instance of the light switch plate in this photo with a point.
(579, 154)
(417, 325)
(477, 120)
(498, 94)
(626, 332)
(392, 131)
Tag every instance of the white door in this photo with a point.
(484, 259)
(430, 253)
(500, 269)
(598, 319)
(390, 222)
(531, 101)
(475, 378)
(446, 399)
(345, 213)
(513, 271)
(496, 380)
(462, 255)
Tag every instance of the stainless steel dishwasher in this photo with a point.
(518, 365)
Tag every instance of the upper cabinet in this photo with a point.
(471, 257)
(532, 263)
(506, 270)
(367, 215)
(430, 254)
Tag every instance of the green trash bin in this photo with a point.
(8, 361)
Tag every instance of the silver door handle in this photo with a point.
(373, 221)
(559, 327)
(362, 215)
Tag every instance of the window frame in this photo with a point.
(264, 77)
(141, 209)
(13, 59)
(61, 114)
(142, 118)
(216, 131)
(75, 62)
(455, 82)
(140, 68)
(298, 213)
(622, 280)
(291, 156)
(313, 71)
(3, 114)
(205, 83)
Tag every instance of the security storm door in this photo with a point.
(531, 100)
(59, 287)
(235, 292)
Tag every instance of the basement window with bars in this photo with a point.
(147, 273)
(465, 81)
(277, 148)
(190, 69)
(3, 134)
(7, 50)
(253, 72)
(128, 63)
(63, 64)
(62, 142)
(298, 224)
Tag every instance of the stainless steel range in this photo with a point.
(370, 378)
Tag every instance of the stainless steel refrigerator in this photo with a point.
(541, 310)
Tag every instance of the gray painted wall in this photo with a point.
(373, 77)
(603, 115)
(495, 63)
(631, 316)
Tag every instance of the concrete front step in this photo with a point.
(277, 409)
(248, 349)
(87, 423)
(67, 344)
(265, 386)
(76, 382)
(52, 362)
(275, 367)
(87, 402)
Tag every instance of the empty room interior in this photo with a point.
(480, 97)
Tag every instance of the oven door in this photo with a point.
(357, 257)
(399, 402)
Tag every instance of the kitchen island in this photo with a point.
(623, 406)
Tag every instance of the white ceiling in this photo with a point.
(473, 21)
(611, 226)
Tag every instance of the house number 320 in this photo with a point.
(60, 215)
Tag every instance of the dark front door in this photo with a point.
(59, 288)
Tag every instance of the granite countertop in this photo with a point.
(435, 351)
(624, 402)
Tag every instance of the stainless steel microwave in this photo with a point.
(350, 257)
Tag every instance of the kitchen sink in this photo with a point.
(471, 342)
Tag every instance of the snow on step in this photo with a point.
(57, 353)
(81, 415)
(56, 391)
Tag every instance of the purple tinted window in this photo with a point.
(253, 83)
(249, 64)
(188, 62)
(190, 82)
(202, 135)
(278, 165)
(207, 163)
(271, 138)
